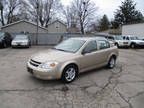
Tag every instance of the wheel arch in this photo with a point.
(112, 55)
(132, 43)
(67, 64)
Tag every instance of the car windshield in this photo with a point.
(118, 38)
(139, 38)
(1, 35)
(20, 37)
(134, 38)
(70, 45)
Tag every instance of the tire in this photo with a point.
(12, 46)
(69, 74)
(4, 45)
(132, 45)
(112, 62)
(117, 45)
(28, 46)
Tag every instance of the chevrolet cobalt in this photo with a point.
(71, 57)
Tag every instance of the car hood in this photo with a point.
(52, 55)
(137, 41)
(20, 41)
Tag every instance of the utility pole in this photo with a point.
(37, 23)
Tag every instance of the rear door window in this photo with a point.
(103, 44)
(127, 38)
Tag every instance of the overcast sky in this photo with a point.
(109, 6)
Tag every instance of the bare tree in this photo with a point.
(8, 8)
(85, 12)
(71, 16)
(44, 9)
(1, 14)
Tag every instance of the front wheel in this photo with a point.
(69, 74)
(112, 63)
(117, 45)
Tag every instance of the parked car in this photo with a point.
(71, 57)
(141, 38)
(134, 41)
(5, 39)
(100, 35)
(21, 41)
(118, 40)
(63, 37)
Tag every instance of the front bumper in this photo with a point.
(18, 46)
(45, 74)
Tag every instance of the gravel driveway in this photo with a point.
(121, 87)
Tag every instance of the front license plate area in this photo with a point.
(30, 70)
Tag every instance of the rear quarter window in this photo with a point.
(103, 44)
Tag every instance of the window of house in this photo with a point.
(103, 44)
(57, 25)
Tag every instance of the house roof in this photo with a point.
(20, 22)
(57, 21)
(142, 22)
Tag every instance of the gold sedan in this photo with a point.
(71, 57)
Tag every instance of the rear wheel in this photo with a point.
(112, 62)
(132, 45)
(69, 74)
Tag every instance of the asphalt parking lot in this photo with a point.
(121, 87)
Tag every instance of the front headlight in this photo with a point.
(137, 42)
(48, 65)
(13, 43)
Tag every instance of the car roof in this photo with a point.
(21, 35)
(129, 35)
(89, 38)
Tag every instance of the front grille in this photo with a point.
(34, 63)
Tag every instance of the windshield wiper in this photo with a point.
(62, 50)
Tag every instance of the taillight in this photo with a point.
(60, 40)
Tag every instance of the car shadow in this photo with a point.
(124, 48)
(54, 83)
(20, 47)
(86, 73)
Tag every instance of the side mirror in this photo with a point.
(84, 52)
